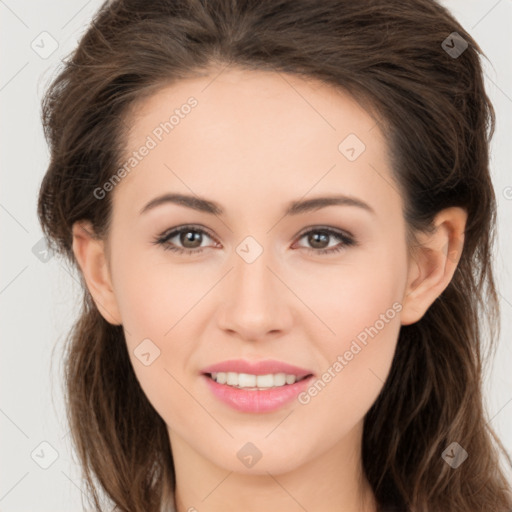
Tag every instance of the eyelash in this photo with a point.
(347, 240)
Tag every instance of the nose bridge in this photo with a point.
(252, 280)
(256, 301)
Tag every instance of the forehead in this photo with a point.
(258, 132)
(253, 98)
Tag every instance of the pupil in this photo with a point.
(189, 236)
(319, 238)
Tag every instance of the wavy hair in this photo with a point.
(394, 58)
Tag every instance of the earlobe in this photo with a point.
(433, 263)
(90, 255)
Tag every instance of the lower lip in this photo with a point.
(258, 400)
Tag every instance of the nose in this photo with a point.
(257, 303)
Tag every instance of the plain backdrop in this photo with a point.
(39, 298)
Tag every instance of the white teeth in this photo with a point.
(280, 379)
(246, 380)
(290, 379)
(264, 381)
(221, 378)
(232, 379)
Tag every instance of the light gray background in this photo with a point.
(38, 300)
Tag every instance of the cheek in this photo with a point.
(357, 363)
(351, 297)
(154, 296)
(340, 397)
(361, 307)
(158, 305)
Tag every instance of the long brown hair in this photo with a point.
(397, 58)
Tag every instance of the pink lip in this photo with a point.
(259, 400)
(257, 367)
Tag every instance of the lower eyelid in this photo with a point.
(341, 237)
(344, 239)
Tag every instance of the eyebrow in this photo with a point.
(293, 208)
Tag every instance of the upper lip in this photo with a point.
(257, 367)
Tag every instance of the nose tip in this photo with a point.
(255, 304)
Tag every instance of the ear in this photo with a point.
(433, 262)
(90, 254)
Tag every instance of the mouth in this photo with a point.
(257, 387)
(252, 382)
(252, 386)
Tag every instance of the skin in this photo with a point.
(255, 142)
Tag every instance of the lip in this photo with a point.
(257, 367)
(259, 400)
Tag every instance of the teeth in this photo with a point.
(246, 380)
(290, 379)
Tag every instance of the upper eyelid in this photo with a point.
(171, 233)
(331, 230)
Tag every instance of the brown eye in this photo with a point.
(190, 239)
(187, 239)
(319, 239)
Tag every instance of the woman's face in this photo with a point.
(272, 275)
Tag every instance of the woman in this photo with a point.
(283, 218)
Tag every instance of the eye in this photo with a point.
(190, 237)
(319, 237)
